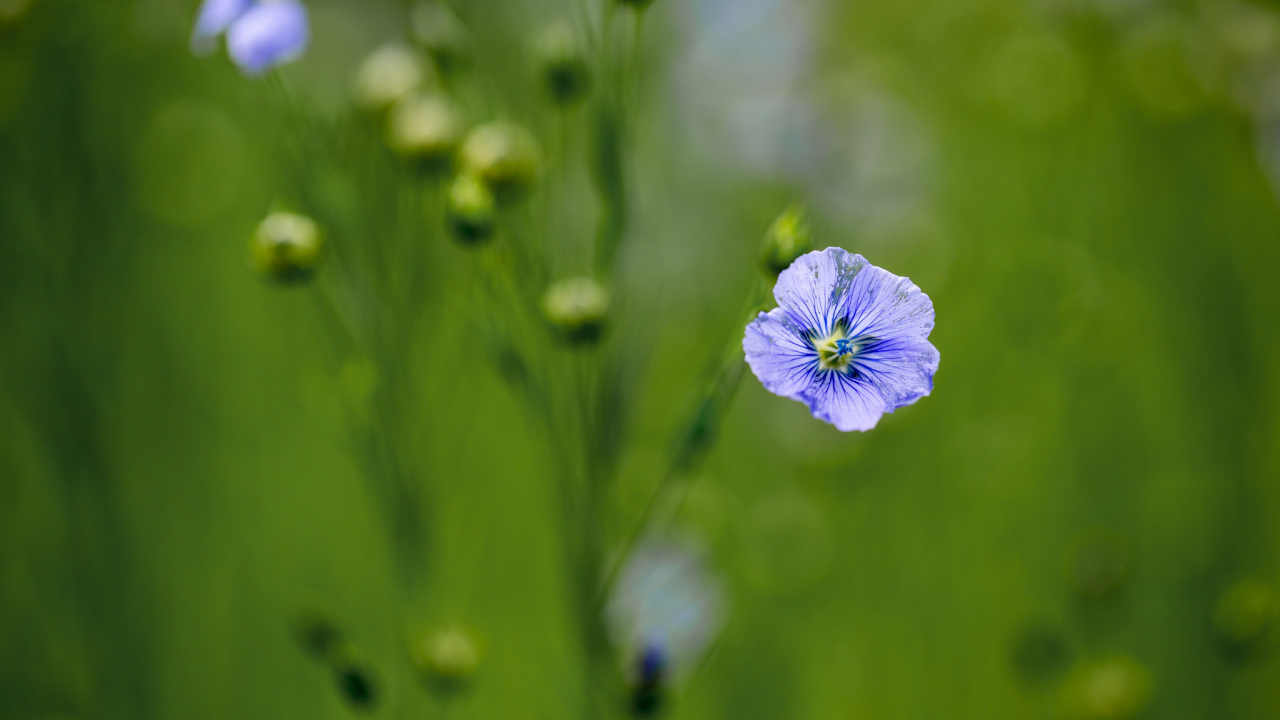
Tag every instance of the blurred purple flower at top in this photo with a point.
(214, 18)
(261, 34)
(268, 34)
(848, 339)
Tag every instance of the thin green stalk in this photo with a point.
(698, 434)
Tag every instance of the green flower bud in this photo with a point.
(504, 156)
(1113, 689)
(438, 30)
(286, 247)
(388, 76)
(787, 239)
(426, 128)
(471, 209)
(1244, 612)
(577, 307)
(448, 660)
(565, 73)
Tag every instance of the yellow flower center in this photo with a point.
(836, 351)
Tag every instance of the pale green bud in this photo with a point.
(578, 308)
(787, 239)
(504, 156)
(447, 659)
(1113, 689)
(286, 247)
(471, 209)
(427, 128)
(563, 66)
(388, 76)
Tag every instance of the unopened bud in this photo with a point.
(471, 210)
(388, 76)
(787, 239)
(564, 69)
(437, 29)
(504, 156)
(286, 247)
(578, 308)
(1244, 612)
(426, 128)
(448, 659)
(1113, 689)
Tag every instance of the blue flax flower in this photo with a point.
(665, 610)
(848, 339)
(261, 34)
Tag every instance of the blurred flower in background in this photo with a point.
(742, 74)
(748, 99)
(665, 610)
(261, 34)
(214, 18)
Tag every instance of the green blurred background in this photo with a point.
(1081, 186)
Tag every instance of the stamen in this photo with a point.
(836, 351)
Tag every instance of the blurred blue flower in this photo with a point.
(848, 339)
(214, 18)
(261, 34)
(268, 34)
(665, 610)
(652, 664)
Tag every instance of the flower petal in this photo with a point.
(847, 402)
(901, 369)
(269, 34)
(812, 288)
(214, 18)
(779, 353)
(883, 305)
